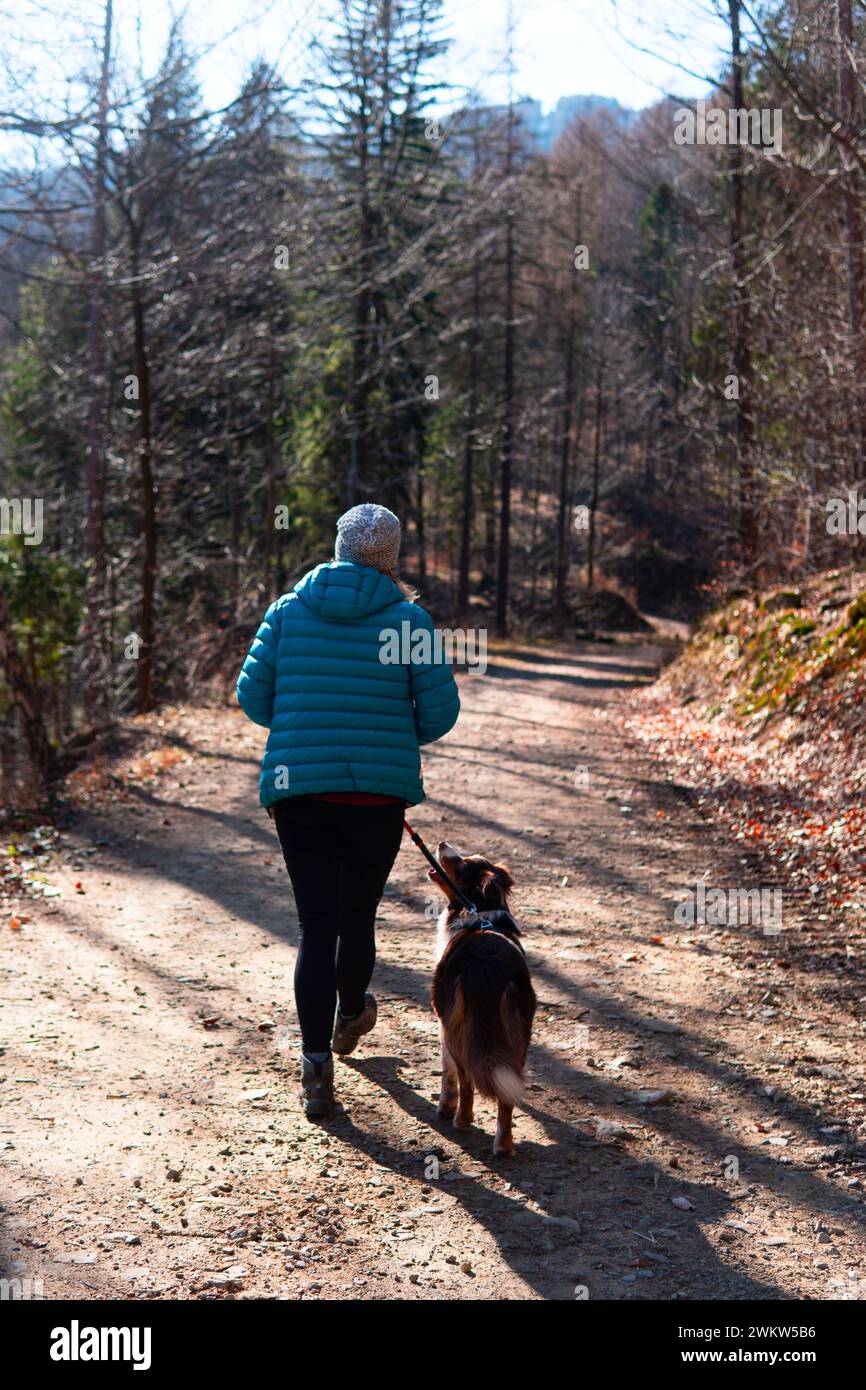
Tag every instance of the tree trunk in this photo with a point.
(469, 451)
(270, 476)
(539, 446)
(232, 472)
(562, 531)
(25, 697)
(359, 385)
(502, 581)
(147, 631)
(748, 524)
(852, 215)
(95, 665)
(596, 464)
(490, 524)
(420, 531)
(507, 458)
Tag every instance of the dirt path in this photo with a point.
(150, 1138)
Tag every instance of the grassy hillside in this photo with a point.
(785, 652)
(764, 717)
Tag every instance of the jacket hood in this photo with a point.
(340, 591)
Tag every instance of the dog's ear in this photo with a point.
(503, 874)
(497, 881)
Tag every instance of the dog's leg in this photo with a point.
(503, 1140)
(448, 1092)
(465, 1107)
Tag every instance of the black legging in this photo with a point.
(339, 857)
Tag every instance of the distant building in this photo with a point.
(543, 130)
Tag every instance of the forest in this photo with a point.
(629, 366)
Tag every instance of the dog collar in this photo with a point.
(497, 920)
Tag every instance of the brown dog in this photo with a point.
(482, 995)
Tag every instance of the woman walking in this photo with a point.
(341, 764)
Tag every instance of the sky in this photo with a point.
(634, 50)
(568, 47)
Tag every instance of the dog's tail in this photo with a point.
(507, 1083)
(494, 1047)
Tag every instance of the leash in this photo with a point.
(483, 921)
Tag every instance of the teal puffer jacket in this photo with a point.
(340, 718)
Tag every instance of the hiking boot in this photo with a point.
(317, 1087)
(349, 1031)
